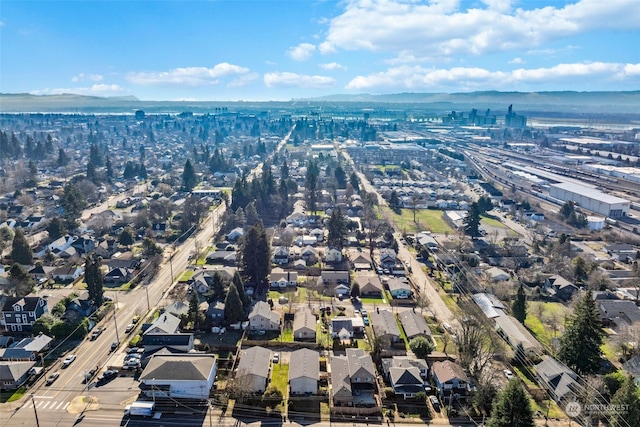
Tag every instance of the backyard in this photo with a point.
(426, 219)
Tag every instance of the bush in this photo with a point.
(135, 340)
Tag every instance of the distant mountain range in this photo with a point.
(562, 102)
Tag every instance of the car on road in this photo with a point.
(135, 319)
(96, 332)
(89, 375)
(276, 357)
(129, 328)
(51, 378)
(364, 313)
(366, 321)
(68, 360)
(508, 374)
(115, 345)
(107, 375)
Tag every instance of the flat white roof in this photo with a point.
(590, 192)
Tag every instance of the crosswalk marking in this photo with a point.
(50, 405)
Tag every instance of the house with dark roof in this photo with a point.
(406, 381)
(385, 325)
(304, 325)
(252, 373)
(558, 379)
(618, 312)
(341, 327)
(451, 381)
(405, 362)
(280, 279)
(560, 287)
(179, 376)
(304, 372)
(19, 314)
(353, 380)
(281, 255)
(117, 276)
(27, 349)
(334, 277)
(164, 332)
(414, 324)
(215, 312)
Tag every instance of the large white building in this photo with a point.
(591, 199)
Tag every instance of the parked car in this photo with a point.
(52, 378)
(96, 332)
(108, 375)
(68, 360)
(131, 364)
(276, 357)
(132, 350)
(129, 328)
(135, 319)
(508, 374)
(435, 403)
(115, 345)
(88, 376)
(366, 321)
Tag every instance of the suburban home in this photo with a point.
(341, 327)
(164, 332)
(253, 369)
(304, 325)
(27, 349)
(406, 381)
(235, 234)
(353, 380)
(516, 334)
(558, 379)
(360, 261)
(178, 308)
(166, 323)
(405, 362)
(215, 312)
(19, 314)
(341, 291)
(78, 308)
(451, 381)
(262, 318)
(496, 274)
(621, 251)
(14, 374)
(387, 258)
(333, 255)
(306, 240)
(280, 278)
(59, 245)
(117, 276)
(560, 287)
(414, 324)
(222, 257)
(309, 254)
(370, 285)
(618, 312)
(334, 277)
(67, 274)
(304, 372)
(318, 234)
(40, 272)
(179, 376)
(399, 288)
(385, 325)
(281, 255)
(427, 241)
(491, 306)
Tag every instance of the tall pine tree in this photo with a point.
(256, 256)
(233, 310)
(519, 307)
(94, 277)
(626, 405)
(512, 408)
(580, 346)
(21, 251)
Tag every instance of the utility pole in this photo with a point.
(115, 321)
(146, 289)
(34, 410)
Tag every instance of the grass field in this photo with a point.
(491, 222)
(426, 219)
(280, 377)
(541, 316)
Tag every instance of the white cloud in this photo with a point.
(474, 78)
(82, 77)
(442, 28)
(517, 61)
(333, 66)
(243, 80)
(302, 52)
(188, 76)
(285, 79)
(101, 89)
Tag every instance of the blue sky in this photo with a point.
(281, 50)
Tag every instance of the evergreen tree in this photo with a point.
(256, 256)
(341, 177)
(109, 167)
(355, 182)
(126, 237)
(217, 288)
(512, 408)
(194, 310)
(94, 277)
(242, 292)
(20, 282)
(421, 347)
(73, 203)
(337, 227)
(233, 309)
(150, 248)
(311, 185)
(519, 307)
(20, 250)
(55, 228)
(580, 346)
(189, 178)
(472, 221)
(627, 401)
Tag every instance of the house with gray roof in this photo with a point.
(399, 287)
(341, 327)
(516, 334)
(253, 369)
(451, 380)
(19, 314)
(26, 349)
(405, 362)
(262, 318)
(353, 379)
(385, 325)
(166, 323)
(489, 304)
(14, 374)
(618, 312)
(414, 324)
(406, 381)
(304, 325)
(179, 376)
(304, 372)
(370, 284)
(558, 379)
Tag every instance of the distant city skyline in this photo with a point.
(281, 50)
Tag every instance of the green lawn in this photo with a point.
(428, 219)
(485, 220)
(188, 274)
(287, 335)
(537, 328)
(280, 378)
(372, 301)
(323, 339)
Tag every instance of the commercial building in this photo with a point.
(591, 199)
